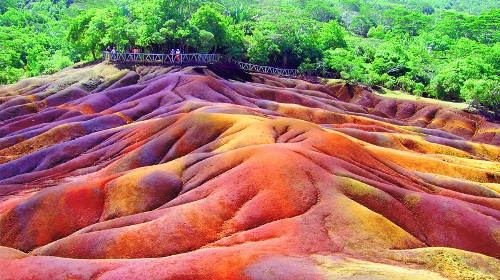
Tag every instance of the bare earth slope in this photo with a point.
(166, 173)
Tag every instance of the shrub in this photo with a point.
(481, 92)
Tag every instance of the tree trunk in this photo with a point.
(285, 61)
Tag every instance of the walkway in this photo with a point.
(199, 58)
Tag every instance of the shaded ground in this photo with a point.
(195, 173)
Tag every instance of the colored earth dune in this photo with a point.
(113, 172)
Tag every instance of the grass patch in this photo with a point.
(397, 94)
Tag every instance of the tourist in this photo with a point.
(108, 50)
(177, 55)
(113, 53)
(172, 55)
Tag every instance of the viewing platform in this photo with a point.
(200, 58)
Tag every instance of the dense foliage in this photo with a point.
(448, 49)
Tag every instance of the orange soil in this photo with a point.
(182, 174)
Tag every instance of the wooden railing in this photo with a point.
(201, 58)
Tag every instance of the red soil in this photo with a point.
(181, 174)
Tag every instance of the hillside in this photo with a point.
(444, 49)
(116, 172)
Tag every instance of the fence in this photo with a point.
(200, 58)
(164, 58)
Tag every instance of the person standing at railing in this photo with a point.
(113, 53)
(172, 55)
(106, 52)
(177, 55)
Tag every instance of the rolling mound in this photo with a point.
(108, 172)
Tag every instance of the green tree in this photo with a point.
(235, 45)
(188, 35)
(209, 19)
(377, 32)
(482, 92)
(262, 45)
(6, 4)
(348, 65)
(360, 25)
(449, 81)
(86, 31)
(452, 23)
(117, 28)
(322, 11)
(412, 23)
(206, 41)
(351, 5)
(148, 18)
(485, 28)
(390, 58)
